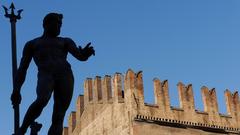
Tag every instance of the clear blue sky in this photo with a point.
(191, 41)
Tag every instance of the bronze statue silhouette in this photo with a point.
(49, 53)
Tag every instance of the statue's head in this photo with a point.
(52, 23)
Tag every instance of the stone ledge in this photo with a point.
(186, 124)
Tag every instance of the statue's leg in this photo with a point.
(44, 90)
(63, 91)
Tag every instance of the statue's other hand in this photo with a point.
(89, 50)
(16, 98)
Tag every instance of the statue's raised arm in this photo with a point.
(80, 53)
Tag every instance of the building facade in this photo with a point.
(115, 106)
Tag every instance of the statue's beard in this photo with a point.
(54, 33)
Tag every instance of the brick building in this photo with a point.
(115, 106)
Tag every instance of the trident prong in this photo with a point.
(19, 13)
(6, 11)
(12, 7)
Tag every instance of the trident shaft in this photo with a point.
(13, 19)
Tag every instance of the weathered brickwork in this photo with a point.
(115, 106)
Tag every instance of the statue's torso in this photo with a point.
(50, 54)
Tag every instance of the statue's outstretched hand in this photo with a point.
(88, 50)
(16, 98)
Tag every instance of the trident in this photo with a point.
(13, 19)
(35, 127)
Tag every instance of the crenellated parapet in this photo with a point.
(115, 101)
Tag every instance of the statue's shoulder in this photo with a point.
(67, 40)
(31, 43)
